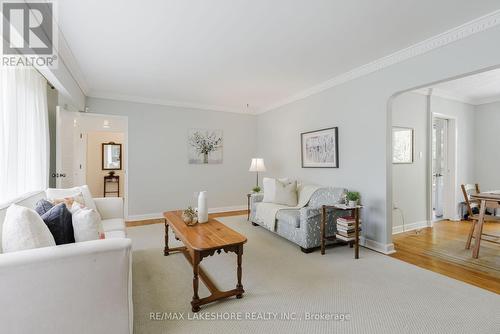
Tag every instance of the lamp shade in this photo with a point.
(257, 165)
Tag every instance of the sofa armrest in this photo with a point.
(255, 198)
(74, 288)
(308, 212)
(110, 207)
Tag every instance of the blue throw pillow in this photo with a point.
(58, 220)
(43, 206)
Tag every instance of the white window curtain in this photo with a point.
(24, 133)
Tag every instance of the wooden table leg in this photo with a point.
(165, 250)
(479, 230)
(356, 234)
(195, 307)
(239, 286)
(323, 223)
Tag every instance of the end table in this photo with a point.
(248, 205)
(340, 207)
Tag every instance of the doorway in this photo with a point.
(443, 168)
(79, 140)
(439, 166)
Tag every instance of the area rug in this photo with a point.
(287, 291)
(454, 251)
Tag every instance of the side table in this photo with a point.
(340, 207)
(248, 206)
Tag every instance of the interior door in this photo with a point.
(439, 165)
(68, 139)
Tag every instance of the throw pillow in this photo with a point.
(24, 229)
(43, 206)
(78, 198)
(53, 193)
(87, 223)
(58, 220)
(270, 188)
(286, 193)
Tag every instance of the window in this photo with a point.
(24, 133)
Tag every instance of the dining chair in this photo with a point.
(467, 190)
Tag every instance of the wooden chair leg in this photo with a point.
(471, 233)
(479, 230)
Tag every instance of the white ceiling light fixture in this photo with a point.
(106, 124)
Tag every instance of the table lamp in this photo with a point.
(257, 165)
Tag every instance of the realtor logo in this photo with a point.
(28, 33)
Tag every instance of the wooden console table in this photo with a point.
(112, 179)
(200, 241)
(340, 207)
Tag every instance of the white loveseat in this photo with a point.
(83, 287)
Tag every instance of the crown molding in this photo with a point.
(444, 94)
(486, 100)
(163, 102)
(69, 61)
(470, 28)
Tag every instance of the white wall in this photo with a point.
(159, 175)
(487, 146)
(410, 180)
(360, 109)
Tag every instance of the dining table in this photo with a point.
(487, 199)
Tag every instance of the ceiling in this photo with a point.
(474, 89)
(225, 54)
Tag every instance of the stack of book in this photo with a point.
(346, 228)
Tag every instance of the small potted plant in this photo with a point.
(353, 198)
(189, 216)
(256, 189)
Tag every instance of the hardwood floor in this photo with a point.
(414, 248)
(161, 220)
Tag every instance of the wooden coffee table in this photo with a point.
(200, 241)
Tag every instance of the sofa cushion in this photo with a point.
(115, 234)
(59, 221)
(115, 224)
(291, 217)
(24, 229)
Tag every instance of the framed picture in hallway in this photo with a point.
(204, 146)
(402, 145)
(320, 148)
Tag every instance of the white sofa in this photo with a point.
(83, 287)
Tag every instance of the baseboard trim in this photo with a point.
(410, 227)
(377, 246)
(159, 215)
